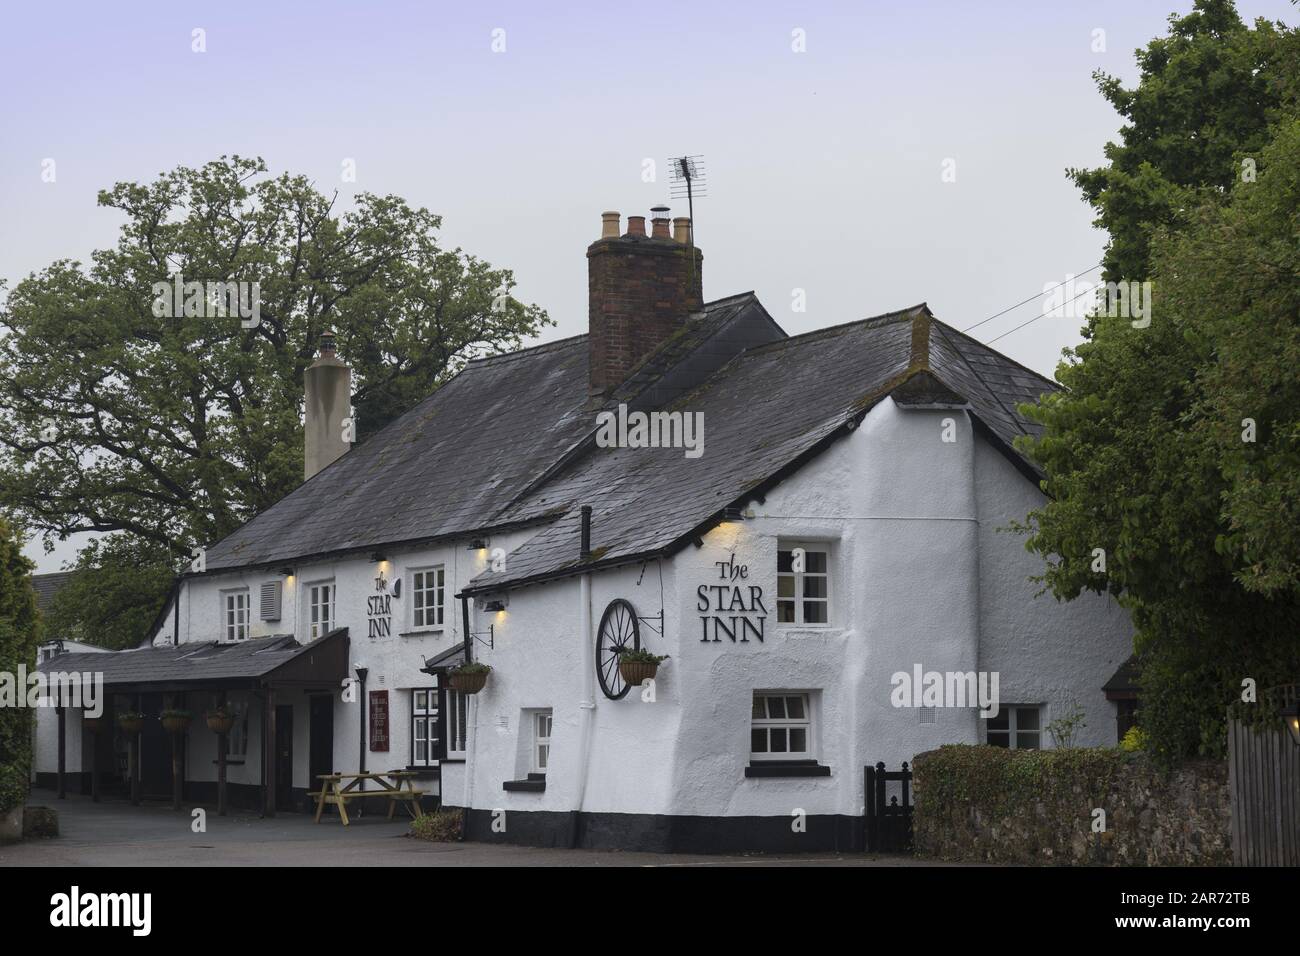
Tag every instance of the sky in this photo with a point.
(861, 157)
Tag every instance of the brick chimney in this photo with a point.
(328, 383)
(641, 289)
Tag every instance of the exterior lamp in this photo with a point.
(1291, 717)
(733, 513)
(494, 605)
(477, 544)
(286, 572)
(378, 557)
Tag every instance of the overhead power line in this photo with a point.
(1028, 300)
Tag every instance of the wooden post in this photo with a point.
(133, 762)
(222, 746)
(63, 753)
(133, 768)
(268, 753)
(94, 765)
(177, 770)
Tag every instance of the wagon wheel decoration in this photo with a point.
(619, 631)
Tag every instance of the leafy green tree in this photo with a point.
(1208, 95)
(171, 419)
(115, 594)
(18, 639)
(1176, 450)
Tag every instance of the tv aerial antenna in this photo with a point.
(688, 181)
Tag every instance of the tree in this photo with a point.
(1176, 449)
(170, 419)
(18, 639)
(1208, 94)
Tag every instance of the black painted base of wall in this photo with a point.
(659, 833)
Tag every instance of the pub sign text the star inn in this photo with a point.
(733, 609)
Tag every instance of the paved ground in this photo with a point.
(114, 833)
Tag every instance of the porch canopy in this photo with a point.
(261, 665)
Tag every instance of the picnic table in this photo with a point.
(340, 789)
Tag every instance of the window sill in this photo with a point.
(787, 768)
(231, 762)
(536, 783)
(431, 771)
(423, 632)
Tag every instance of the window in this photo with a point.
(541, 740)
(803, 586)
(1017, 727)
(427, 594)
(320, 610)
(456, 724)
(781, 727)
(424, 728)
(236, 615)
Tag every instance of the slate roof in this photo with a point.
(767, 410)
(510, 441)
(204, 662)
(476, 446)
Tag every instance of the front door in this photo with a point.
(155, 750)
(321, 731)
(284, 757)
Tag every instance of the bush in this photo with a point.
(441, 826)
(1134, 740)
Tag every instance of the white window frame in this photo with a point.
(424, 718)
(310, 596)
(543, 724)
(457, 723)
(231, 627)
(767, 724)
(439, 589)
(799, 577)
(1013, 731)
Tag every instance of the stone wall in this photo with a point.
(992, 805)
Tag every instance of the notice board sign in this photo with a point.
(379, 721)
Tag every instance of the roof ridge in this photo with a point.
(831, 330)
(528, 350)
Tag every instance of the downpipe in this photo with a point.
(586, 704)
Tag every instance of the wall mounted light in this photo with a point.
(494, 605)
(733, 513)
(286, 572)
(477, 544)
(378, 557)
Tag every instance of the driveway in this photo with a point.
(114, 833)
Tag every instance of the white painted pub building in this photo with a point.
(814, 515)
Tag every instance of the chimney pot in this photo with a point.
(609, 225)
(682, 229)
(659, 219)
(636, 226)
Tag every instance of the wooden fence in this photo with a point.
(1264, 779)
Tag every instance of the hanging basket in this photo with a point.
(220, 723)
(469, 683)
(175, 725)
(130, 724)
(635, 673)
